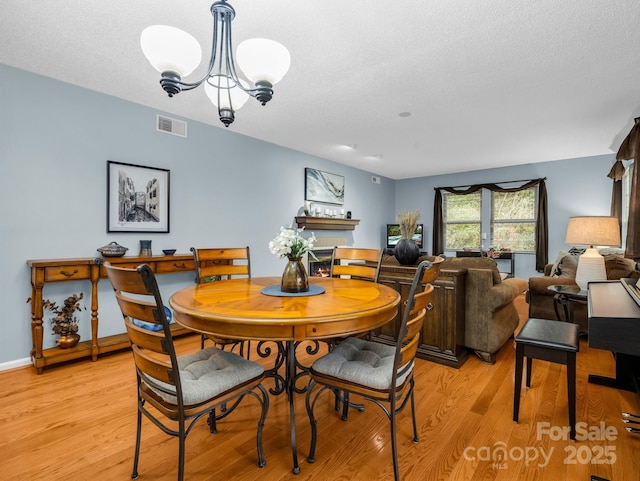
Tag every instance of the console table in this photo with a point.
(88, 269)
(442, 337)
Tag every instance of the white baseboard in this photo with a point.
(5, 366)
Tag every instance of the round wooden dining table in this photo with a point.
(240, 309)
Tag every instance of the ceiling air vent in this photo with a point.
(171, 126)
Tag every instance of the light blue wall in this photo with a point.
(226, 189)
(574, 187)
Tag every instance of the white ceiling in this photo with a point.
(488, 83)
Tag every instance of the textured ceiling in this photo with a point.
(488, 84)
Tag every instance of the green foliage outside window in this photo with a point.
(513, 223)
(462, 220)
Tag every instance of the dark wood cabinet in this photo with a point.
(442, 339)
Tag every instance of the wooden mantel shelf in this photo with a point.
(326, 223)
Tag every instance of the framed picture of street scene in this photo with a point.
(137, 198)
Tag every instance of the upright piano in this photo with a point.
(614, 325)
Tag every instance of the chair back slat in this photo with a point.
(127, 280)
(416, 316)
(223, 271)
(137, 308)
(359, 271)
(146, 339)
(409, 350)
(153, 367)
(221, 263)
(357, 263)
(411, 338)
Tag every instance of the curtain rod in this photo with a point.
(503, 182)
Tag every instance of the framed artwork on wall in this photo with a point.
(137, 198)
(323, 187)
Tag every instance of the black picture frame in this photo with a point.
(323, 187)
(137, 198)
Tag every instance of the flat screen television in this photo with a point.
(393, 235)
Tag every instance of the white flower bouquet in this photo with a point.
(290, 243)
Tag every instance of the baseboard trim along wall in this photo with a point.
(5, 366)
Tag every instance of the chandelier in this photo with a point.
(176, 54)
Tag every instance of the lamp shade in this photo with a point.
(593, 231)
(170, 49)
(238, 96)
(263, 59)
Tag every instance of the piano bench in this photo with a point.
(552, 341)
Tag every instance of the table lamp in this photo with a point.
(592, 231)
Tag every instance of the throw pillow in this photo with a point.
(568, 266)
(554, 268)
(618, 267)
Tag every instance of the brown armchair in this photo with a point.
(541, 299)
(490, 314)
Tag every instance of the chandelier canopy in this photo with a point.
(176, 54)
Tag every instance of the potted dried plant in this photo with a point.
(65, 322)
(406, 250)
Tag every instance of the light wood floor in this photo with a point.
(77, 422)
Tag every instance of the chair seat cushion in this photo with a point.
(207, 373)
(362, 362)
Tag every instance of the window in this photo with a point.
(461, 214)
(513, 220)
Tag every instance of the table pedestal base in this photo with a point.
(293, 371)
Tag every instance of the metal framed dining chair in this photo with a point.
(379, 373)
(181, 389)
(219, 264)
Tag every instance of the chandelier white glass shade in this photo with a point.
(176, 54)
(592, 231)
(229, 97)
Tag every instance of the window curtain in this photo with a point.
(630, 150)
(542, 222)
(615, 174)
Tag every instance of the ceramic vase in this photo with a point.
(406, 252)
(294, 277)
(145, 248)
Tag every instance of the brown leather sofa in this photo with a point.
(541, 299)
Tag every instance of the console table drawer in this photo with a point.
(126, 265)
(67, 273)
(175, 265)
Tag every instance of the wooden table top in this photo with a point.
(236, 309)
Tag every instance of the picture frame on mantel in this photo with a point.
(323, 187)
(137, 198)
